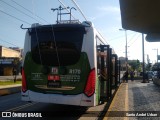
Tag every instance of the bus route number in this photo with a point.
(74, 71)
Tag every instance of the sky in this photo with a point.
(105, 15)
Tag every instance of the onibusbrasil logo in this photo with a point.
(21, 114)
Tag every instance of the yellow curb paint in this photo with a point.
(112, 103)
(114, 100)
(126, 101)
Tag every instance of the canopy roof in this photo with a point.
(141, 16)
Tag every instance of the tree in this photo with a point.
(135, 64)
(156, 67)
(148, 66)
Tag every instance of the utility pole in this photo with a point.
(143, 65)
(126, 51)
(126, 56)
(157, 55)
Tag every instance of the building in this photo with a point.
(9, 59)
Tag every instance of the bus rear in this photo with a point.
(55, 70)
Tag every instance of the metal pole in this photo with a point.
(119, 69)
(143, 58)
(57, 15)
(125, 48)
(157, 55)
(70, 14)
(71, 11)
(126, 51)
(60, 8)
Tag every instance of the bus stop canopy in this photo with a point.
(142, 16)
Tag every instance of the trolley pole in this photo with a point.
(71, 11)
(60, 13)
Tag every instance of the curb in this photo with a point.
(10, 90)
(118, 104)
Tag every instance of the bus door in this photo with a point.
(104, 60)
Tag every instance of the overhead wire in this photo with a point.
(40, 56)
(117, 37)
(135, 40)
(131, 38)
(29, 11)
(15, 17)
(79, 9)
(19, 10)
(129, 42)
(55, 43)
(8, 42)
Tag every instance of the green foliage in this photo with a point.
(10, 82)
(135, 64)
(148, 66)
(156, 67)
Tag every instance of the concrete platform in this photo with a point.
(135, 101)
(118, 104)
(10, 89)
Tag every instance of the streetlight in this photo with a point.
(157, 53)
(125, 48)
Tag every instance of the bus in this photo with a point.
(67, 63)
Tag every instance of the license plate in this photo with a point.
(54, 81)
(54, 84)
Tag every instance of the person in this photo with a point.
(132, 75)
(126, 76)
(146, 77)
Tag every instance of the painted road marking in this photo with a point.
(21, 107)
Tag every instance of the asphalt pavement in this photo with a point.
(132, 101)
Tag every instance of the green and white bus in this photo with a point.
(64, 64)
